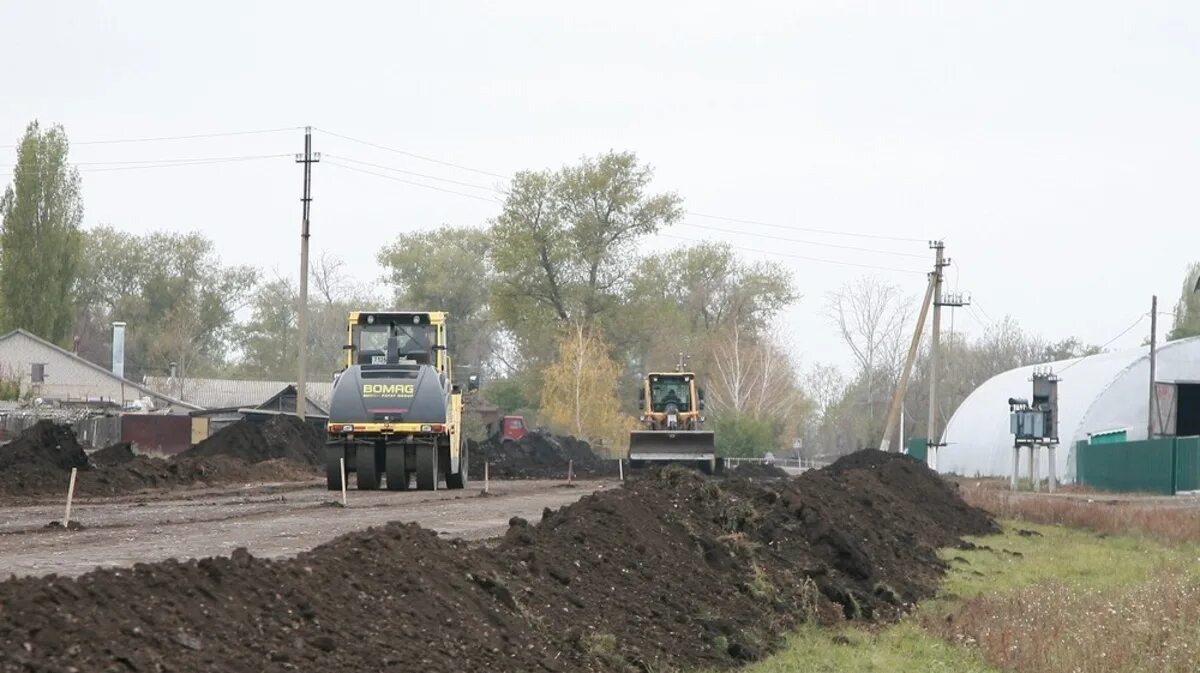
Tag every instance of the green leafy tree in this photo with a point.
(1187, 309)
(179, 300)
(680, 300)
(564, 244)
(743, 435)
(40, 240)
(446, 269)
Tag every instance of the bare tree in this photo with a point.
(871, 315)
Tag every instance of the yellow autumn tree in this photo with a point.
(579, 392)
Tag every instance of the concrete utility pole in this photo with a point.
(897, 408)
(308, 159)
(934, 345)
(1153, 352)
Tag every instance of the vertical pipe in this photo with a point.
(118, 349)
(342, 467)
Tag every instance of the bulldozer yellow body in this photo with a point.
(672, 406)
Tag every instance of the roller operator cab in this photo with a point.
(672, 419)
(395, 415)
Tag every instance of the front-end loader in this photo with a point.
(672, 406)
(395, 415)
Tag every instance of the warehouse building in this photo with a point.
(1102, 398)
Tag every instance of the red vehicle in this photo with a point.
(512, 429)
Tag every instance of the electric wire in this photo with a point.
(194, 136)
(411, 154)
(1110, 341)
(420, 175)
(794, 256)
(796, 227)
(805, 242)
(410, 182)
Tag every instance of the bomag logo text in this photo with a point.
(387, 390)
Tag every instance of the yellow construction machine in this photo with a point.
(395, 415)
(672, 406)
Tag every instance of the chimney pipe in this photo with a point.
(118, 349)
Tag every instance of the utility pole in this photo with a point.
(897, 408)
(940, 300)
(1153, 351)
(308, 159)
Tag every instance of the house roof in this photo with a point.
(235, 393)
(88, 363)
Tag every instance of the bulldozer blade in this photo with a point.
(671, 445)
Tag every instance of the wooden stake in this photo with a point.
(70, 497)
(570, 471)
(342, 463)
(621, 469)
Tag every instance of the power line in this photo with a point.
(106, 166)
(1110, 341)
(420, 175)
(804, 257)
(794, 227)
(410, 182)
(414, 155)
(194, 136)
(799, 240)
(982, 310)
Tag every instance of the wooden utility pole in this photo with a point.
(1153, 351)
(308, 159)
(898, 397)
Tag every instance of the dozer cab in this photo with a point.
(672, 406)
(395, 415)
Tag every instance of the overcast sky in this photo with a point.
(1053, 145)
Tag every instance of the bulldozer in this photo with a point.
(395, 414)
(672, 424)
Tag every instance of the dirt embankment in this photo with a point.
(38, 461)
(674, 571)
(538, 456)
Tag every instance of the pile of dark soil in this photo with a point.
(539, 456)
(38, 462)
(674, 571)
(280, 436)
(116, 454)
(756, 471)
(40, 458)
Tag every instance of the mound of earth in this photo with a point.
(116, 454)
(40, 459)
(756, 471)
(672, 572)
(281, 436)
(539, 456)
(38, 462)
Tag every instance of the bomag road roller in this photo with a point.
(395, 415)
(672, 424)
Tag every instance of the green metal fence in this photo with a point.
(1145, 466)
(1187, 464)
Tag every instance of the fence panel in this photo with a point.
(1145, 466)
(1187, 464)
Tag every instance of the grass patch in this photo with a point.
(903, 648)
(1038, 599)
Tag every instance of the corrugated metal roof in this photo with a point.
(222, 393)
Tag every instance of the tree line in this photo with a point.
(553, 300)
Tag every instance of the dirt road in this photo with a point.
(270, 521)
